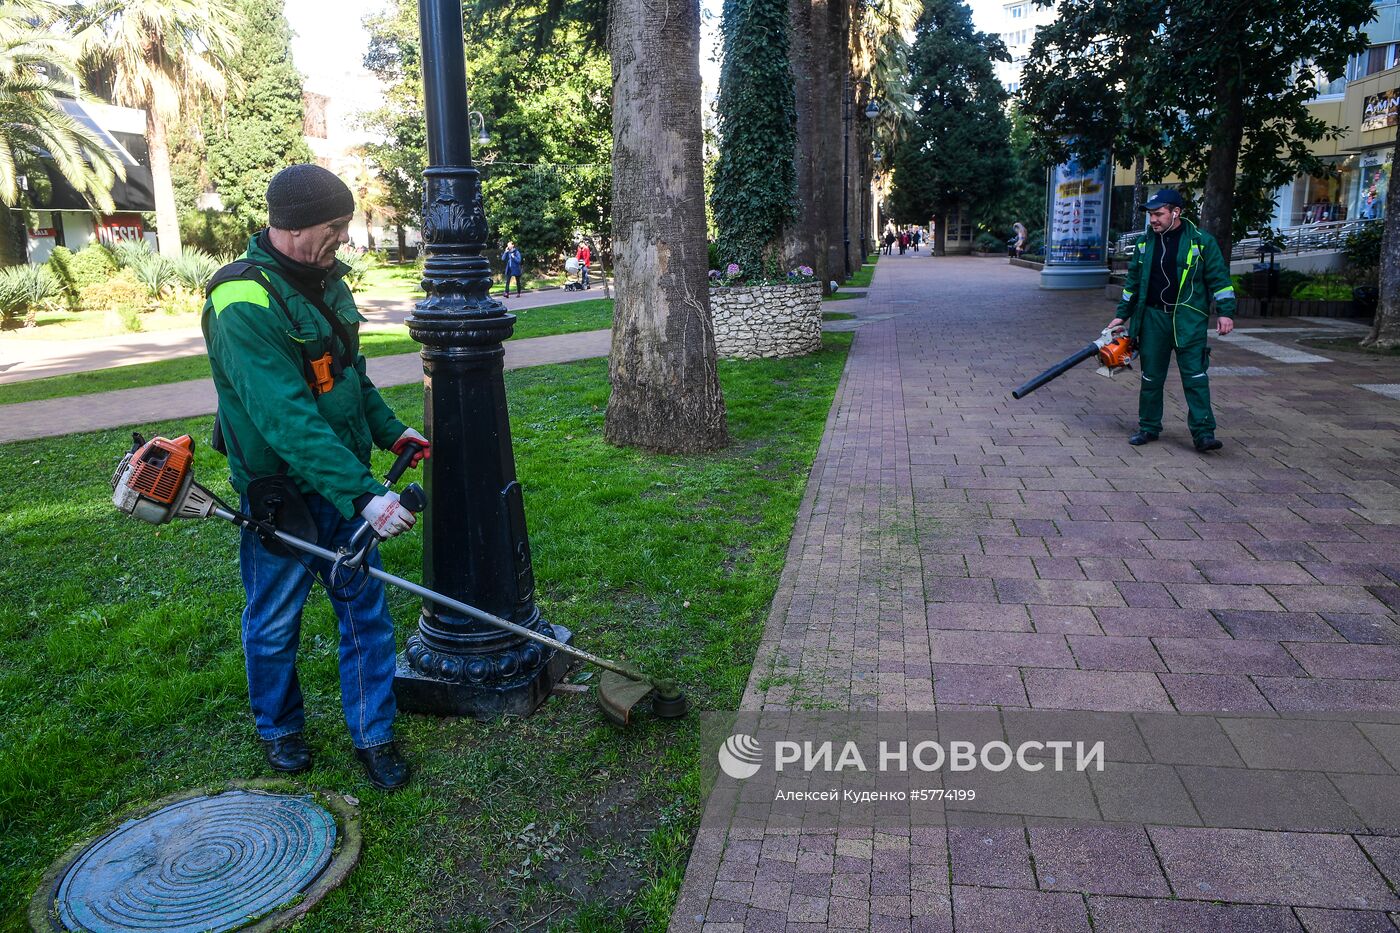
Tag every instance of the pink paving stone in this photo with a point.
(990, 910)
(1111, 691)
(1277, 626)
(1214, 693)
(1059, 592)
(1327, 599)
(1385, 852)
(1262, 867)
(1225, 656)
(1097, 860)
(1316, 694)
(1115, 653)
(1152, 915)
(1364, 628)
(1223, 596)
(1360, 574)
(1064, 620)
(1161, 622)
(1165, 571)
(1056, 568)
(982, 617)
(1146, 595)
(1013, 546)
(978, 685)
(1013, 648)
(960, 590)
(1380, 662)
(1254, 571)
(1317, 920)
(992, 855)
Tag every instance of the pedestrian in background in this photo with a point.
(512, 261)
(1022, 235)
(584, 257)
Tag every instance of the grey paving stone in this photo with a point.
(1154, 915)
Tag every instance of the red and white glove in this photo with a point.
(425, 450)
(386, 516)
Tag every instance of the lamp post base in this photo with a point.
(1068, 276)
(418, 692)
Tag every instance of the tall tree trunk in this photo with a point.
(167, 219)
(1386, 330)
(800, 238)
(940, 233)
(403, 241)
(1218, 200)
(835, 41)
(1139, 191)
(12, 251)
(369, 229)
(665, 388)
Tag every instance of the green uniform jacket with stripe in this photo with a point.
(269, 413)
(1203, 275)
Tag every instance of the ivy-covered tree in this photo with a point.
(258, 134)
(956, 151)
(755, 182)
(1215, 97)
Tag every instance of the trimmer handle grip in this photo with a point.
(405, 460)
(413, 498)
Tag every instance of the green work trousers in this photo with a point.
(1155, 344)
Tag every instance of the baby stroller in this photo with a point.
(573, 267)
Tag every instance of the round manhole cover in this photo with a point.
(206, 863)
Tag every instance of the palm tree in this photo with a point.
(37, 69)
(163, 56)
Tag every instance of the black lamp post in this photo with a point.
(475, 548)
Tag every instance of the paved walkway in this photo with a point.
(957, 549)
(52, 417)
(22, 360)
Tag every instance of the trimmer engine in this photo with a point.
(155, 481)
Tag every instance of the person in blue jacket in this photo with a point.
(512, 262)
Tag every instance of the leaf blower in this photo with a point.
(1115, 351)
(155, 483)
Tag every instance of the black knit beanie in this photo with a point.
(303, 196)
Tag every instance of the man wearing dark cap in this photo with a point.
(297, 413)
(1175, 274)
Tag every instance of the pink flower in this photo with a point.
(732, 269)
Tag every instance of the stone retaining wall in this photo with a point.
(767, 321)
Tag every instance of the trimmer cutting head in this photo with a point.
(619, 695)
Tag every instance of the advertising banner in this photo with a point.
(1380, 110)
(112, 228)
(1076, 229)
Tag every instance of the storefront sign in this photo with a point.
(113, 228)
(1078, 203)
(40, 232)
(1380, 110)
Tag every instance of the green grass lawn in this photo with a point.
(122, 676)
(593, 314)
(837, 316)
(862, 276)
(401, 281)
(843, 295)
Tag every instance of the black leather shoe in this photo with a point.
(1142, 437)
(1208, 442)
(385, 767)
(288, 754)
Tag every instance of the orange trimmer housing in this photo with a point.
(159, 468)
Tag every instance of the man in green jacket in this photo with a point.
(1175, 273)
(294, 399)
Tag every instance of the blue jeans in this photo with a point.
(277, 588)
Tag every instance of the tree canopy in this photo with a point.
(956, 148)
(1216, 97)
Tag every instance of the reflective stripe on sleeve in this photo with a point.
(1224, 293)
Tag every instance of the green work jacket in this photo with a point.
(1203, 275)
(270, 416)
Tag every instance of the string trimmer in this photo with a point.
(155, 483)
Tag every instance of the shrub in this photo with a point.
(193, 270)
(73, 272)
(1362, 250)
(989, 243)
(1324, 288)
(1290, 280)
(359, 264)
(120, 292)
(214, 232)
(24, 290)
